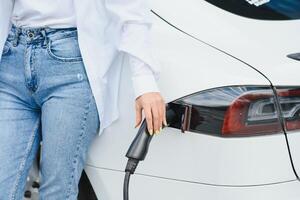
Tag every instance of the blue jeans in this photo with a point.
(45, 97)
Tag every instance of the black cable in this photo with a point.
(126, 186)
(138, 151)
(130, 169)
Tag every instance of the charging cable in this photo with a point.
(139, 149)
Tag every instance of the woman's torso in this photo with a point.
(41, 13)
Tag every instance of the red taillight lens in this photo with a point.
(252, 113)
(289, 99)
(231, 111)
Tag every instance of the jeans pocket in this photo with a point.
(65, 49)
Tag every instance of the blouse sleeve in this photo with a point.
(135, 41)
(143, 79)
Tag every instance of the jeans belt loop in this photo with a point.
(16, 36)
(45, 41)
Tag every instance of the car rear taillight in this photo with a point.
(229, 111)
(289, 99)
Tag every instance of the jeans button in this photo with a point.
(30, 34)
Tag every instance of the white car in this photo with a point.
(231, 72)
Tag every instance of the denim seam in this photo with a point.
(33, 70)
(79, 142)
(25, 64)
(6, 48)
(59, 36)
(22, 165)
(61, 59)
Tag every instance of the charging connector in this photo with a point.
(138, 150)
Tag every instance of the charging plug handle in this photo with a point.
(139, 149)
(140, 145)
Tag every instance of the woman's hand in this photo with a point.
(154, 109)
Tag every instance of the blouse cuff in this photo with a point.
(145, 70)
(143, 84)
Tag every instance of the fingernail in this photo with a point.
(160, 129)
(157, 132)
(165, 123)
(151, 132)
(136, 126)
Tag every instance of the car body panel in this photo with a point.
(257, 42)
(110, 184)
(189, 66)
(294, 141)
(190, 165)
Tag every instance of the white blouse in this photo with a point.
(36, 13)
(60, 14)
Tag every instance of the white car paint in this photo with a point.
(145, 187)
(190, 165)
(263, 44)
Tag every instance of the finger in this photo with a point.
(160, 114)
(164, 114)
(155, 114)
(138, 116)
(148, 116)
